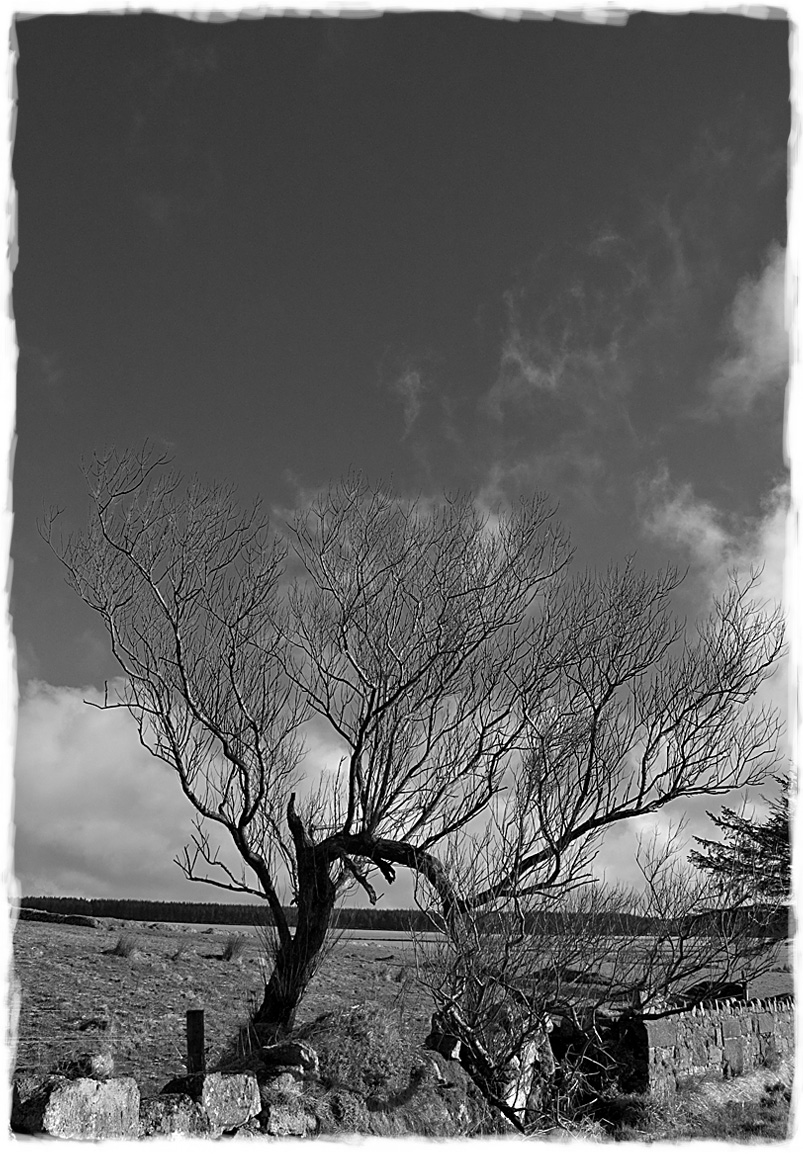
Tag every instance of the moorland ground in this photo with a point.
(125, 988)
(75, 995)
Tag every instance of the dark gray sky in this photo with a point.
(445, 249)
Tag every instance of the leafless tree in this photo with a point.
(466, 676)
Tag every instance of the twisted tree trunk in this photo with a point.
(297, 959)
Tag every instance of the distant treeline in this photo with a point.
(762, 922)
(218, 913)
(347, 918)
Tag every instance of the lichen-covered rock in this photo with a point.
(227, 1100)
(77, 1108)
(172, 1114)
(29, 1098)
(251, 1129)
(230, 1100)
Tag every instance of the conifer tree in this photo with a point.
(752, 862)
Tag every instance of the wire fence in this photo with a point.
(100, 1043)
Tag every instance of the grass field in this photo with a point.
(123, 990)
(79, 989)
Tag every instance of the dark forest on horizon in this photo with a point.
(774, 924)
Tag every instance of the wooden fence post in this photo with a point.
(195, 1042)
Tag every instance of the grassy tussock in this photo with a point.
(234, 949)
(124, 947)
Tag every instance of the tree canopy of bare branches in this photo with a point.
(470, 679)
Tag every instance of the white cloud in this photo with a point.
(95, 813)
(672, 514)
(675, 516)
(715, 549)
(756, 364)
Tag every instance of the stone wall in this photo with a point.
(211, 1104)
(724, 1039)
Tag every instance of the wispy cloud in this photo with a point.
(408, 378)
(563, 331)
(756, 364)
(410, 389)
(527, 366)
(611, 345)
(557, 414)
(712, 543)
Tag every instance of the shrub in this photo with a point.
(179, 952)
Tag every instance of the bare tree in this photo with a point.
(467, 678)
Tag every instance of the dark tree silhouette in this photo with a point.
(465, 675)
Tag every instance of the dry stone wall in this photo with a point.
(725, 1039)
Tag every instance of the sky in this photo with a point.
(447, 250)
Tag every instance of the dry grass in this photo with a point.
(70, 974)
(754, 1107)
(234, 949)
(124, 947)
